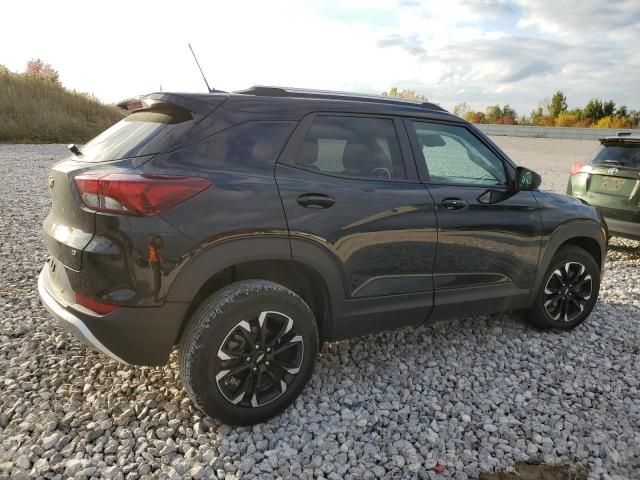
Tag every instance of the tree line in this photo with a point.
(596, 113)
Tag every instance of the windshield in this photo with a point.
(625, 155)
(141, 133)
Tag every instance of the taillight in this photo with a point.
(137, 194)
(94, 305)
(580, 168)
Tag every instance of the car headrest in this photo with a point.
(432, 140)
(358, 157)
(308, 153)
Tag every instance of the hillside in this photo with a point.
(34, 110)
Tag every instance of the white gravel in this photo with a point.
(473, 394)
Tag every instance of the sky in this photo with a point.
(481, 52)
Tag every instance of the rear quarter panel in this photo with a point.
(242, 201)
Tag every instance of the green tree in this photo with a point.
(461, 109)
(558, 104)
(577, 112)
(509, 112)
(393, 92)
(609, 108)
(524, 120)
(622, 111)
(537, 115)
(493, 113)
(405, 94)
(594, 110)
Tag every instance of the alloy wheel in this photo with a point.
(259, 359)
(567, 292)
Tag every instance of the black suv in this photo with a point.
(248, 228)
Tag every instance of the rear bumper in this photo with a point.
(623, 229)
(130, 335)
(71, 322)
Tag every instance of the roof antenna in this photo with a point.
(200, 68)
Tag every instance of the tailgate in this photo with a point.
(165, 122)
(614, 187)
(68, 228)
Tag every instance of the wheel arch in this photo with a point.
(315, 279)
(586, 234)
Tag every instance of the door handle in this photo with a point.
(315, 200)
(454, 204)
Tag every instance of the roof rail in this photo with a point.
(269, 91)
(631, 138)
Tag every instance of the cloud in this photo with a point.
(411, 44)
(531, 69)
(583, 19)
(482, 52)
(491, 8)
(583, 48)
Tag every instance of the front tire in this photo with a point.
(248, 351)
(568, 292)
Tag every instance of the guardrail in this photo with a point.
(552, 132)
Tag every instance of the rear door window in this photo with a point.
(623, 155)
(141, 133)
(358, 147)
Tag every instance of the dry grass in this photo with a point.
(34, 110)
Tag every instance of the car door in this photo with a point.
(348, 196)
(489, 234)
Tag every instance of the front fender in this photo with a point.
(571, 230)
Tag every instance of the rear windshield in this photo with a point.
(625, 155)
(141, 133)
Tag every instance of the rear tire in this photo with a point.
(568, 292)
(248, 351)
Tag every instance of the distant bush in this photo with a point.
(584, 123)
(475, 117)
(34, 108)
(547, 121)
(567, 120)
(613, 122)
(494, 114)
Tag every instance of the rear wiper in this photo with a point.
(74, 149)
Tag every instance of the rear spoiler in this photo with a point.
(629, 139)
(622, 137)
(131, 104)
(201, 104)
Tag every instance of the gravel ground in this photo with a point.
(473, 394)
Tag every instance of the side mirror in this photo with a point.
(527, 179)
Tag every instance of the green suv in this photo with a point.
(610, 181)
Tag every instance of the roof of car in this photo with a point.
(289, 92)
(299, 102)
(622, 137)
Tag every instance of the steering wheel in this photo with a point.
(381, 172)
